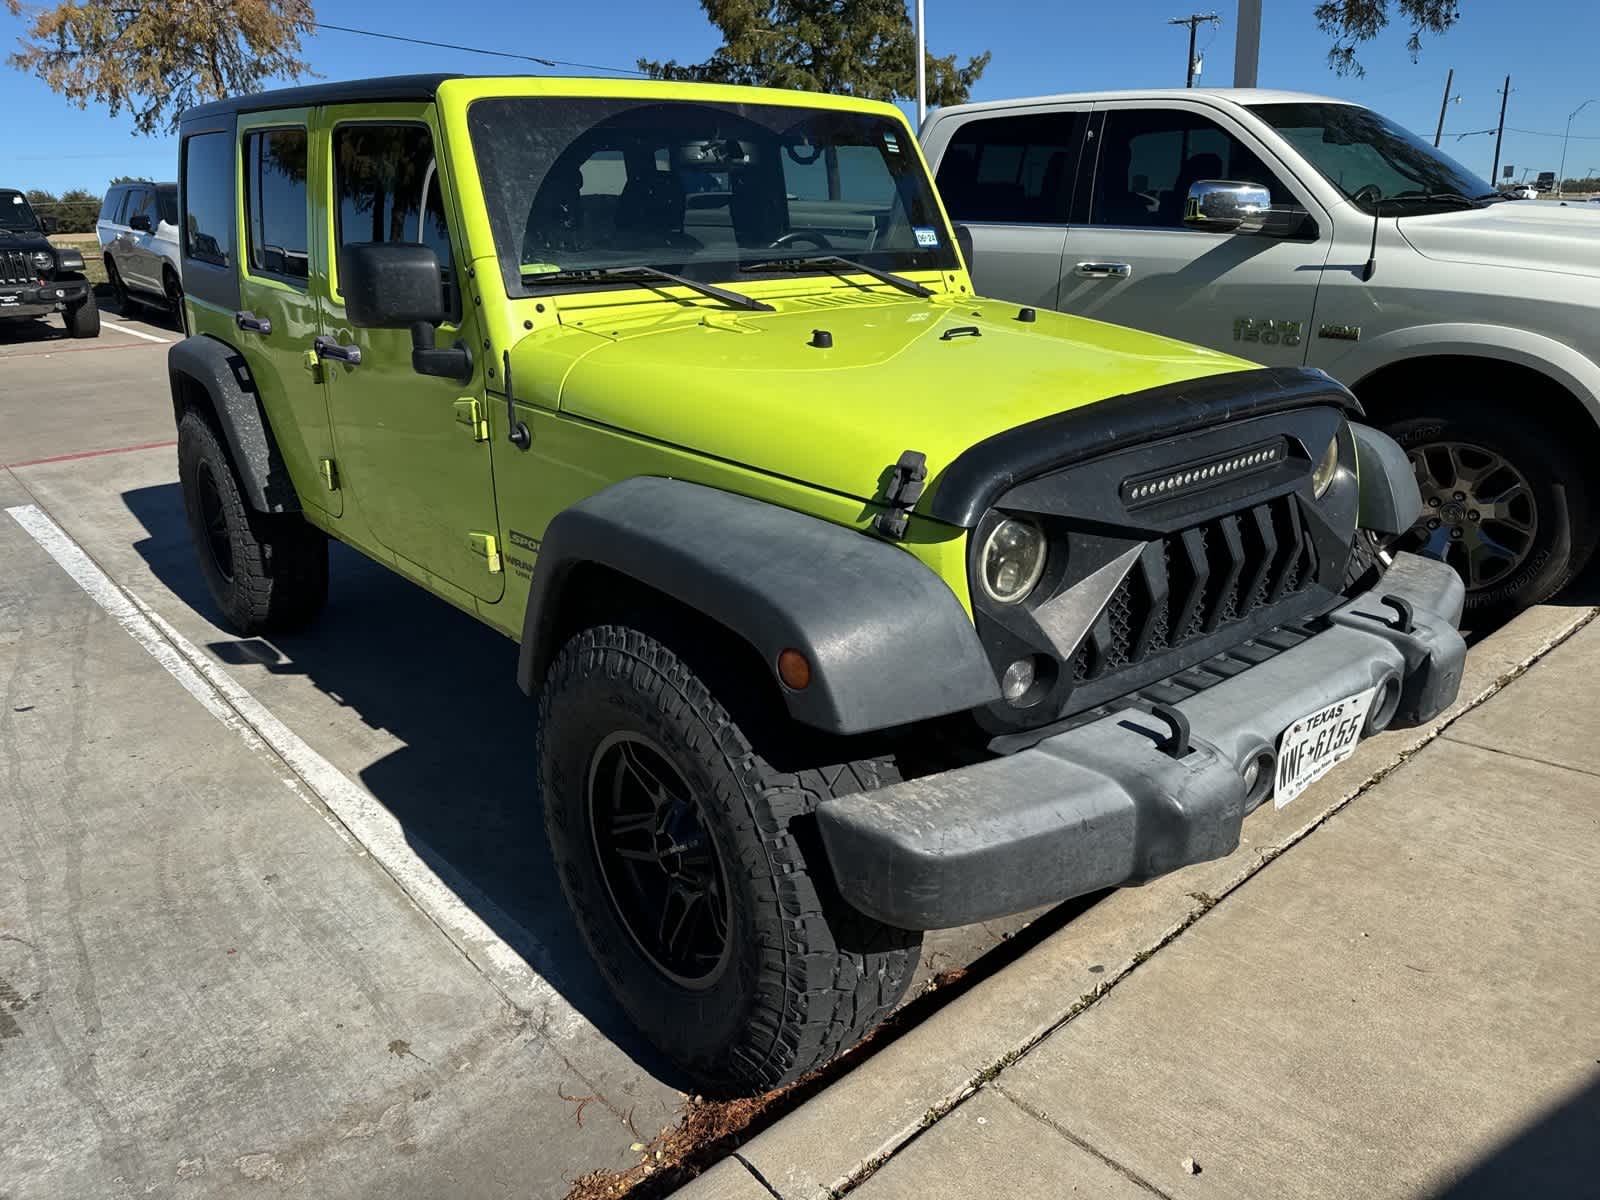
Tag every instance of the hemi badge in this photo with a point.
(1340, 333)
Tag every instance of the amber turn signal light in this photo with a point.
(794, 670)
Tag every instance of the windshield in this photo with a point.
(15, 213)
(1371, 159)
(698, 189)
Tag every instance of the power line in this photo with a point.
(1577, 137)
(1193, 21)
(533, 58)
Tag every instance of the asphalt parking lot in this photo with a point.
(276, 915)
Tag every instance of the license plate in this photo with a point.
(1317, 743)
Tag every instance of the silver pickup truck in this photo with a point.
(1299, 230)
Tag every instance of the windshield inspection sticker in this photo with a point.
(927, 236)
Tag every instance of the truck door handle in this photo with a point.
(254, 324)
(327, 347)
(1094, 270)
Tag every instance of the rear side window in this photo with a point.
(140, 200)
(208, 198)
(1149, 158)
(1017, 170)
(110, 205)
(387, 189)
(167, 203)
(275, 203)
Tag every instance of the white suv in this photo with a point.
(1365, 251)
(138, 230)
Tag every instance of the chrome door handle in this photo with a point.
(327, 347)
(1094, 270)
(252, 323)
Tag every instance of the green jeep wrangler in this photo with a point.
(854, 605)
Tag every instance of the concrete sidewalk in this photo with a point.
(1403, 1004)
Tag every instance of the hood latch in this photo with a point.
(906, 481)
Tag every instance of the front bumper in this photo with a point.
(30, 299)
(1103, 804)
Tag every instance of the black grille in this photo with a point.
(15, 267)
(1194, 583)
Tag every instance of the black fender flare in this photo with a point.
(1390, 499)
(220, 371)
(888, 641)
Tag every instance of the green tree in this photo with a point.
(1351, 23)
(156, 58)
(852, 47)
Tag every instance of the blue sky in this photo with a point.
(1548, 46)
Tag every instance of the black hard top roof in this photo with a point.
(389, 87)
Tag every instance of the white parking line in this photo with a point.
(520, 968)
(138, 333)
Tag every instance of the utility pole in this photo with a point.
(1193, 21)
(922, 67)
(1505, 94)
(1561, 175)
(1444, 104)
(1247, 44)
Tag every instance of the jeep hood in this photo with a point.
(1530, 234)
(24, 239)
(928, 376)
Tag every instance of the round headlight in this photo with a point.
(1322, 475)
(1012, 560)
(43, 259)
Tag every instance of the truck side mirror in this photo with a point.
(964, 243)
(1223, 206)
(391, 285)
(47, 224)
(395, 285)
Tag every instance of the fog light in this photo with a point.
(1017, 680)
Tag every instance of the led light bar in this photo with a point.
(1197, 476)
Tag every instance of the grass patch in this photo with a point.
(94, 267)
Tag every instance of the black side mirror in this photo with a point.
(140, 221)
(47, 224)
(393, 285)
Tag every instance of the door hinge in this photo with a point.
(330, 474)
(486, 546)
(470, 413)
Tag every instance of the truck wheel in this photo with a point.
(1503, 501)
(680, 850)
(83, 320)
(266, 572)
(119, 290)
(174, 294)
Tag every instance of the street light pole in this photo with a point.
(922, 66)
(1561, 175)
(1444, 104)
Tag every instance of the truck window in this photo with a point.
(208, 198)
(1012, 169)
(275, 203)
(1150, 157)
(112, 202)
(387, 189)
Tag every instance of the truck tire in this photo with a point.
(266, 572)
(1505, 502)
(681, 851)
(83, 320)
(173, 290)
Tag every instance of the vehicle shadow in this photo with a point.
(460, 780)
(1556, 1155)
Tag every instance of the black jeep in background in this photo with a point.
(36, 278)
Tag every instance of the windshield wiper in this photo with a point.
(1455, 198)
(646, 275)
(832, 262)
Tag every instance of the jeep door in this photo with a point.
(1132, 261)
(421, 479)
(1008, 179)
(279, 312)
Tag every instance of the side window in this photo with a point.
(108, 206)
(275, 203)
(1150, 157)
(1012, 169)
(387, 189)
(141, 200)
(167, 203)
(208, 198)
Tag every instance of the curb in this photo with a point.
(842, 1135)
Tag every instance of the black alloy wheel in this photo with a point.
(657, 859)
(1478, 512)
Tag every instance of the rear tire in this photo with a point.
(1525, 472)
(83, 319)
(119, 289)
(643, 772)
(174, 293)
(267, 572)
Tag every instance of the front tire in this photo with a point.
(266, 572)
(1505, 502)
(83, 319)
(174, 294)
(682, 853)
